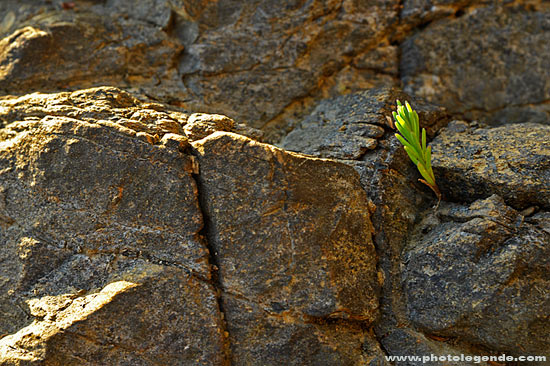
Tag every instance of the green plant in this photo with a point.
(407, 123)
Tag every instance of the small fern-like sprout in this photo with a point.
(407, 123)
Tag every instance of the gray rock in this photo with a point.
(347, 127)
(267, 203)
(487, 64)
(511, 161)
(417, 12)
(270, 54)
(481, 273)
(388, 176)
(15, 12)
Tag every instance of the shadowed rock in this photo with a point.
(288, 229)
(347, 127)
(406, 342)
(481, 273)
(388, 176)
(487, 64)
(61, 49)
(511, 161)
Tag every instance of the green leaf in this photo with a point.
(416, 123)
(429, 160)
(415, 143)
(425, 174)
(401, 114)
(403, 141)
(407, 135)
(402, 120)
(406, 112)
(412, 154)
(423, 139)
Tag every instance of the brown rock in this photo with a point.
(200, 125)
(261, 62)
(280, 339)
(175, 141)
(148, 316)
(290, 235)
(118, 110)
(317, 236)
(481, 273)
(82, 201)
(62, 49)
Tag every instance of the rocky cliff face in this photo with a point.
(146, 218)
(267, 63)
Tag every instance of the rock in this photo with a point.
(15, 12)
(84, 205)
(381, 60)
(486, 64)
(267, 64)
(347, 127)
(118, 110)
(418, 12)
(275, 59)
(92, 215)
(388, 177)
(200, 125)
(93, 104)
(61, 49)
(148, 316)
(252, 133)
(481, 273)
(407, 342)
(273, 55)
(511, 161)
(317, 235)
(291, 236)
(169, 126)
(175, 141)
(137, 228)
(280, 339)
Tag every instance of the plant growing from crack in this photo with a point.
(407, 123)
